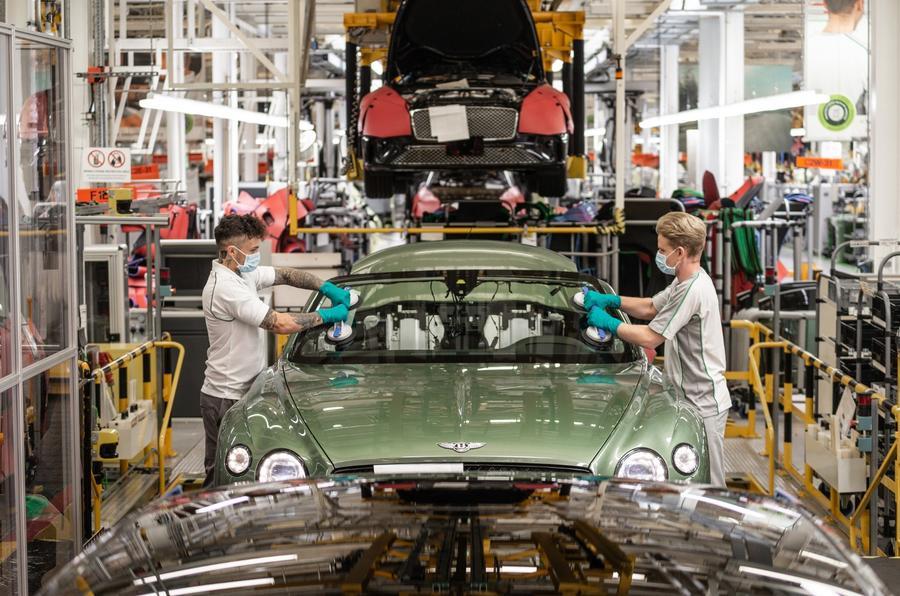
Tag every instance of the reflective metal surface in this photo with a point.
(458, 534)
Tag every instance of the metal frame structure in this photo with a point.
(165, 393)
(21, 375)
(230, 39)
(765, 386)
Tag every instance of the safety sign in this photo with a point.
(106, 164)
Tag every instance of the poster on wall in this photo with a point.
(836, 63)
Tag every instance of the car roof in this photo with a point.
(463, 254)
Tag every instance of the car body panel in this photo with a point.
(431, 35)
(340, 413)
(469, 254)
(546, 111)
(400, 413)
(485, 60)
(383, 114)
(363, 535)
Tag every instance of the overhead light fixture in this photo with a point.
(556, 66)
(377, 68)
(771, 103)
(181, 105)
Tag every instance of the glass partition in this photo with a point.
(8, 476)
(49, 487)
(6, 316)
(39, 130)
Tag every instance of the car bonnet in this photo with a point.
(540, 415)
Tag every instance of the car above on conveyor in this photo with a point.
(461, 534)
(461, 356)
(464, 91)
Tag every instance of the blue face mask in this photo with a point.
(662, 261)
(251, 262)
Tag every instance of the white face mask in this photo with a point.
(662, 261)
(251, 262)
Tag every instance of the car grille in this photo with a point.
(436, 156)
(489, 123)
(487, 467)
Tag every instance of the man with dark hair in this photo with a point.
(236, 319)
(843, 15)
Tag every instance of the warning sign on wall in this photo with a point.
(106, 164)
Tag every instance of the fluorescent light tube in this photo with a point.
(169, 103)
(770, 103)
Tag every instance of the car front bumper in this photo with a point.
(522, 153)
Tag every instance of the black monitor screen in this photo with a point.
(188, 273)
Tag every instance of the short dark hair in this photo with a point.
(839, 6)
(232, 227)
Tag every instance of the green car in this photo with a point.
(462, 356)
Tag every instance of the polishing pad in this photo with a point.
(578, 298)
(340, 333)
(596, 336)
(354, 299)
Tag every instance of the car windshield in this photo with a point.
(465, 36)
(463, 316)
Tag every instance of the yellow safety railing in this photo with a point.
(753, 361)
(762, 338)
(170, 401)
(166, 392)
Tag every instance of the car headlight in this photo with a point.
(280, 465)
(238, 459)
(642, 464)
(685, 459)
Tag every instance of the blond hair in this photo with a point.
(683, 230)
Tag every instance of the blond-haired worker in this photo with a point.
(686, 317)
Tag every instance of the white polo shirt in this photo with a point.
(234, 311)
(687, 315)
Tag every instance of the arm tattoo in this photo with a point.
(286, 276)
(268, 322)
(306, 320)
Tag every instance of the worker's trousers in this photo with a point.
(212, 409)
(715, 441)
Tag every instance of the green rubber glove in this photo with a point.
(595, 298)
(598, 317)
(335, 294)
(334, 314)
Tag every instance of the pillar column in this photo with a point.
(884, 125)
(220, 129)
(176, 143)
(279, 163)
(249, 159)
(668, 135)
(721, 143)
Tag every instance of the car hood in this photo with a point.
(433, 37)
(541, 415)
